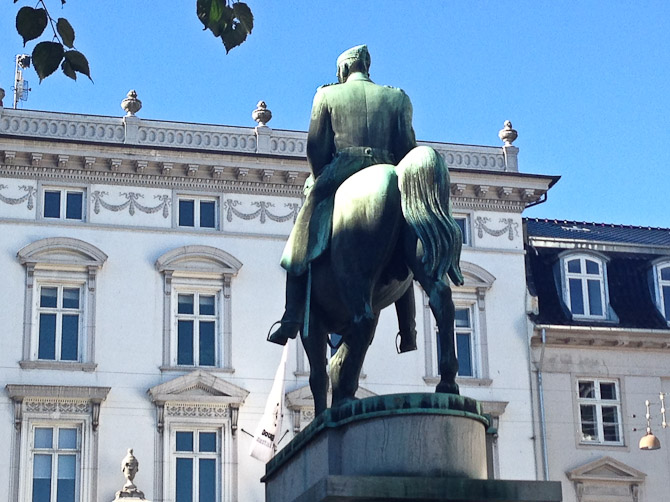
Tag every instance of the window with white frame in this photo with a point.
(197, 437)
(197, 212)
(56, 463)
(59, 315)
(662, 279)
(599, 405)
(54, 445)
(197, 307)
(585, 286)
(63, 203)
(470, 330)
(59, 328)
(465, 339)
(463, 221)
(197, 328)
(197, 465)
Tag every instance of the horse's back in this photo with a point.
(367, 221)
(365, 198)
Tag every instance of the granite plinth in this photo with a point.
(400, 447)
(428, 489)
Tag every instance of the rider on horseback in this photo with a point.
(354, 124)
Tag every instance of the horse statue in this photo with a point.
(391, 225)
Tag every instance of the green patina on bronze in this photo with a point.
(346, 119)
(376, 407)
(376, 217)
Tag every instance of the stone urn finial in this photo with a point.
(261, 114)
(2, 95)
(507, 134)
(131, 104)
(129, 467)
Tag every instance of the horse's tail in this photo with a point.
(423, 180)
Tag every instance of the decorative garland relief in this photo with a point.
(131, 203)
(511, 227)
(30, 196)
(262, 212)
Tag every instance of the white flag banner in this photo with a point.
(265, 439)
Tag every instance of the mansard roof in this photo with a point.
(630, 254)
(597, 232)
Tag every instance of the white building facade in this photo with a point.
(141, 276)
(600, 335)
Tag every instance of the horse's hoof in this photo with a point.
(447, 388)
(285, 331)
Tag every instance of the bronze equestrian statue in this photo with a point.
(366, 229)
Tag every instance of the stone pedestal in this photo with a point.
(401, 447)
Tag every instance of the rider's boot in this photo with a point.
(406, 311)
(292, 319)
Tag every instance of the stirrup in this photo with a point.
(282, 325)
(267, 338)
(398, 344)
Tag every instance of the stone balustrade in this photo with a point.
(133, 130)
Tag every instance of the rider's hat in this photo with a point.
(360, 52)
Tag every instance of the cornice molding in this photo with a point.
(613, 247)
(602, 338)
(248, 186)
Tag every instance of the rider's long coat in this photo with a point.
(353, 125)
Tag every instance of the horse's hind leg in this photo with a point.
(315, 347)
(442, 306)
(346, 364)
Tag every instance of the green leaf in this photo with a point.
(30, 23)
(46, 58)
(244, 16)
(202, 10)
(78, 62)
(215, 15)
(68, 70)
(233, 36)
(65, 31)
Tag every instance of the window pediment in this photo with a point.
(198, 260)
(301, 398)
(476, 277)
(606, 469)
(59, 252)
(606, 479)
(198, 387)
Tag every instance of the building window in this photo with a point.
(464, 224)
(464, 334)
(54, 444)
(198, 435)
(584, 286)
(662, 278)
(196, 466)
(197, 212)
(63, 204)
(197, 332)
(56, 463)
(59, 327)
(197, 307)
(470, 329)
(599, 411)
(59, 314)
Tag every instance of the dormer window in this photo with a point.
(662, 277)
(584, 286)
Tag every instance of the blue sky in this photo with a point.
(586, 84)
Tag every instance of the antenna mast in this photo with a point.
(21, 87)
